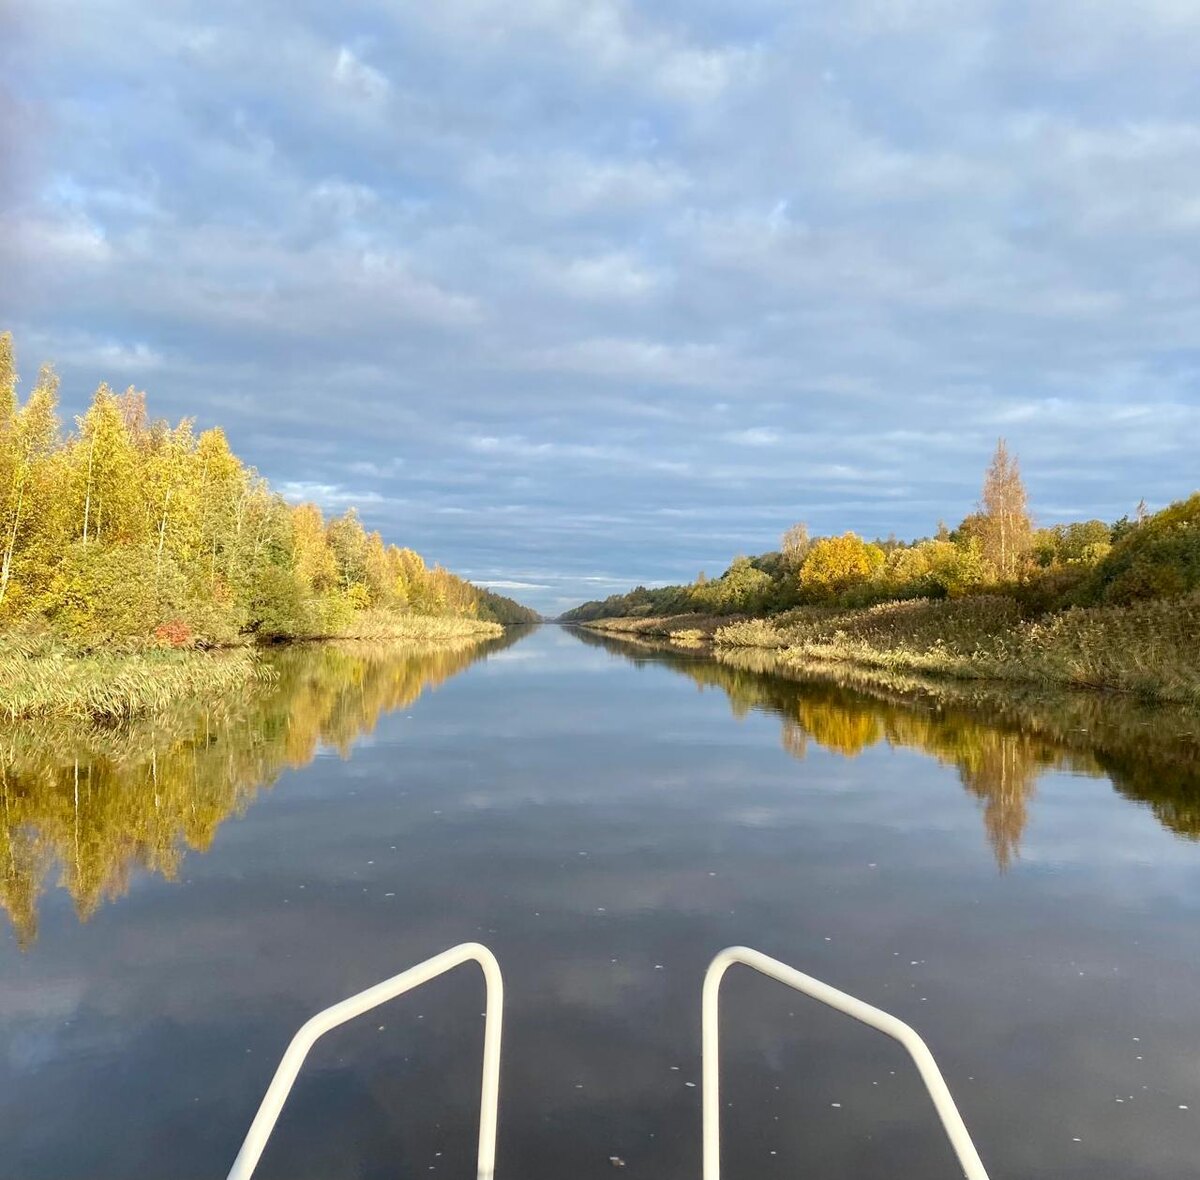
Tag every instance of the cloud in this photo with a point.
(754, 436)
(608, 41)
(502, 584)
(65, 242)
(589, 289)
(360, 79)
(654, 360)
(604, 457)
(568, 183)
(329, 496)
(617, 275)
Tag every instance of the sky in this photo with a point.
(571, 295)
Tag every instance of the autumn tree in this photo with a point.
(105, 466)
(224, 484)
(8, 381)
(171, 519)
(837, 564)
(1006, 529)
(315, 563)
(28, 506)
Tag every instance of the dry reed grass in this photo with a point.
(1151, 648)
(37, 680)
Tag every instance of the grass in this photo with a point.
(43, 680)
(694, 626)
(404, 628)
(40, 677)
(1151, 649)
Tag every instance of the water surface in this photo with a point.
(1019, 879)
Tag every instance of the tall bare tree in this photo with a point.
(1004, 511)
(795, 544)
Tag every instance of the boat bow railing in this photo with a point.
(330, 1018)
(884, 1022)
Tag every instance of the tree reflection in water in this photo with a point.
(104, 803)
(1000, 738)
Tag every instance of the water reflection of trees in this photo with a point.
(1000, 739)
(105, 803)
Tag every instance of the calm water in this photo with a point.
(1024, 889)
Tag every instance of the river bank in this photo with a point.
(1150, 649)
(43, 678)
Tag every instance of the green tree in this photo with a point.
(1159, 558)
(741, 589)
(349, 544)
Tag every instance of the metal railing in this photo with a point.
(330, 1018)
(952, 1123)
(356, 1005)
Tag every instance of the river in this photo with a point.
(1019, 879)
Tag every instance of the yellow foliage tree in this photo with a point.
(837, 564)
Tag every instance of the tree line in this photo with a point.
(996, 549)
(126, 529)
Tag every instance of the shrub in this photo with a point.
(1160, 558)
(102, 594)
(750, 633)
(175, 633)
(275, 604)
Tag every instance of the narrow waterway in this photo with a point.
(1021, 886)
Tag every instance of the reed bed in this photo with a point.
(42, 681)
(41, 677)
(1151, 649)
(699, 626)
(388, 625)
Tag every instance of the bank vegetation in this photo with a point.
(133, 551)
(1087, 604)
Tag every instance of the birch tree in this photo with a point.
(1007, 530)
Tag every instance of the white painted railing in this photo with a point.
(348, 1009)
(330, 1018)
(943, 1103)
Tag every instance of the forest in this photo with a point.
(128, 533)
